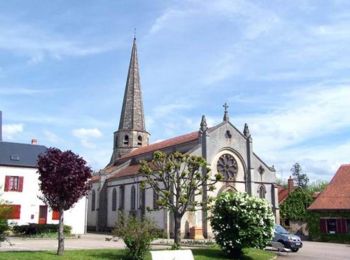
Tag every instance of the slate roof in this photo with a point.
(336, 195)
(21, 155)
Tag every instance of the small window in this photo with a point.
(114, 199)
(93, 200)
(126, 140)
(14, 183)
(121, 197)
(331, 226)
(262, 192)
(155, 199)
(133, 198)
(139, 140)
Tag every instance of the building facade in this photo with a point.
(226, 149)
(19, 186)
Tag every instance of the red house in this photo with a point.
(332, 206)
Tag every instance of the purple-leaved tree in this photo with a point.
(63, 180)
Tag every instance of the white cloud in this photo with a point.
(51, 137)
(11, 130)
(86, 134)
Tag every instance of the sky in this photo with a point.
(282, 66)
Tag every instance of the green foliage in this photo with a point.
(300, 177)
(35, 229)
(295, 206)
(5, 212)
(317, 186)
(240, 221)
(137, 234)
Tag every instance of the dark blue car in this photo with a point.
(289, 240)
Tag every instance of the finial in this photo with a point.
(246, 130)
(203, 124)
(134, 34)
(226, 118)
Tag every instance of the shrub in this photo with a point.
(137, 234)
(3, 228)
(239, 221)
(36, 229)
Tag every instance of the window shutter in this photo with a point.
(16, 212)
(343, 225)
(7, 183)
(338, 225)
(323, 226)
(55, 215)
(20, 184)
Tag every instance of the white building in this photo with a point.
(19, 186)
(225, 148)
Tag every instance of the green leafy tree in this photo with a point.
(295, 206)
(301, 178)
(317, 186)
(137, 234)
(239, 220)
(177, 179)
(5, 212)
(63, 180)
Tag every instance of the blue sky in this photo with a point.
(282, 66)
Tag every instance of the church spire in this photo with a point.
(131, 132)
(132, 116)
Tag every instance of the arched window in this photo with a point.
(155, 199)
(114, 199)
(93, 200)
(262, 192)
(139, 140)
(132, 199)
(121, 197)
(126, 139)
(142, 200)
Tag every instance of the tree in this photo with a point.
(296, 204)
(63, 181)
(317, 186)
(240, 221)
(177, 179)
(300, 177)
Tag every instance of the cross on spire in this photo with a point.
(226, 117)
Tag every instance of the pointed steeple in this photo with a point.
(132, 116)
(203, 125)
(131, 133)
(246, 130)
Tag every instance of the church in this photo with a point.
(226, 149)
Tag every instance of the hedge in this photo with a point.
(34, 229)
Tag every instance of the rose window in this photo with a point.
(227, 166)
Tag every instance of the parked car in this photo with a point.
(289, 240)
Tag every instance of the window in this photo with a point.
(142, 200)
(12, 211)
(331, 226)
(262, 192)
(132, 199)
(14, 183)
(93, 200)
(139, 140)
(126, 139)
(348, 225)
(121, 197)
(55, 215)
(155, 199)
(114, 199)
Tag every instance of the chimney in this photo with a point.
(290, 184)
(34, 141)
(0, 126)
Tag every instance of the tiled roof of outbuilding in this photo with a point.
(336, 195)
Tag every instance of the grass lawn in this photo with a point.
(200, 254)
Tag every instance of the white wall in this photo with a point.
(29, 201)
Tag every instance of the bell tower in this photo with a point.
(131, 133)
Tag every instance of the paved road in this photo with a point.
(319, 251)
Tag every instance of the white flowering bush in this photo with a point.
(239, 220)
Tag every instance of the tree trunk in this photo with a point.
(177, 229)
(60, 248)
